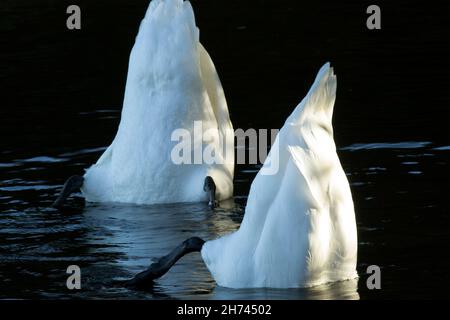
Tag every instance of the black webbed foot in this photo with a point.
(210, 187)
(74, 183)
(162, 265)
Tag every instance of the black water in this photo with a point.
(61, 95)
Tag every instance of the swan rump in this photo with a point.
(171, 84)
(299, 228)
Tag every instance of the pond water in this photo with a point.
(401, 225)
(60, 107)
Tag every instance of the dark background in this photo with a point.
(392, 83)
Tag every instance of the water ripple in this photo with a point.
(382, 145)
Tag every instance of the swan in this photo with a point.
(171, 84)
(299, 226)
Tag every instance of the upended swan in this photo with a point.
(172, 84)
(299, 226)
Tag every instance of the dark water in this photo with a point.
(60, 107)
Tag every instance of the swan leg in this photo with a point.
(72, 184)
(210, 187)
(160, 267)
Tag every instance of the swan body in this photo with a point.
(299, 227)
(171, 84)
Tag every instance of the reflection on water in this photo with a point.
(398, 145)
(394, 188)
(344, 290)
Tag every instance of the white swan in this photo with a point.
(299, 227)
(171, 84)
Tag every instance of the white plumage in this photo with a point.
(171, 83)
(299, 227)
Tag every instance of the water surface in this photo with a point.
(402, 223)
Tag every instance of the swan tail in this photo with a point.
(167, 30)
(175, 19)
(319, 102)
